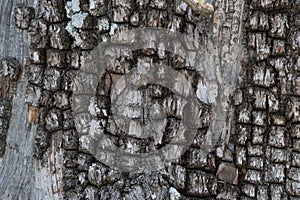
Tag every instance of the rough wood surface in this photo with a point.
(248, 143)
(22, 176)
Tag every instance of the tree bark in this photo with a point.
(241, 63)
(22, 176)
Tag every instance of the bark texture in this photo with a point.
(248, 145)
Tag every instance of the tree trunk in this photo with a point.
(225, 85)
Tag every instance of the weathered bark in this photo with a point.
(22, 175)
(248, 141)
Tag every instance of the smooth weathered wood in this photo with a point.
(22, 176)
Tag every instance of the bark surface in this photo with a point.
(246, 79)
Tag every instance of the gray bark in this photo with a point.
(22, 176)
(248, 150)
